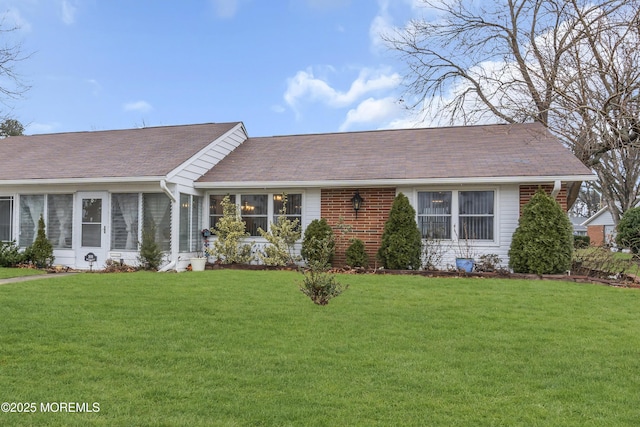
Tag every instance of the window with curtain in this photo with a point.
(434, 214)
(254, 212)
(293, 208)
(475, 215)
(31, 208)
(190, 238)
(124, 221)
(156, 209)
(215, 208)
(60, 220)
(6, 218)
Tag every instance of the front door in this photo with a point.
(92, 237)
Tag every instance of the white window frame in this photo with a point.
(455, 211)
(272, 216)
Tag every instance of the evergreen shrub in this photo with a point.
(543, 241)
(628, 235)
(319, 242)
(356, 254)
(401, 247)
(40, 253)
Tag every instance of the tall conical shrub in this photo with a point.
(543, 241)
(401, 240)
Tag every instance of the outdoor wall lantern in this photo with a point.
(357, 200)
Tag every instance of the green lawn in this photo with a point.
(235, 348)
(6, 273)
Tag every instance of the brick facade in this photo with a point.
(337, 209)
(527, 191)
(596, 235)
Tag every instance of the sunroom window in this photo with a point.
(6, 218)
(124, 221)
(60, 220)
(190, 207)
(31, 208)
(156, 209)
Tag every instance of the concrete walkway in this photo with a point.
(34, 277)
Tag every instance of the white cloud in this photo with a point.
(305, 87)
(37, 128)
(68, 12)
(13, 14)
(372, 111)
(139, 106)
(225, 8)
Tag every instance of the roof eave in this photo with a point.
(393, 182)
(66, 181)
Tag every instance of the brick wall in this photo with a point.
(596, 235)
(527, 191)
(368, 226)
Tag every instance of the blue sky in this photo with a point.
(280, 66)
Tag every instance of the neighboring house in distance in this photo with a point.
(578, 228)
(97, 191)
(601, 228)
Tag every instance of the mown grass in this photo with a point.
(7, 273)
(234, 348)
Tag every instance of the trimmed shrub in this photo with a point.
(10, 255)
(40, 253)
(401, 240)
(581, 242)
(151, 254)
(628, 235)
(543, 241)
(356, 254)
(318, 240)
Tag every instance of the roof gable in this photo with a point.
(146, 152)
(489, 151)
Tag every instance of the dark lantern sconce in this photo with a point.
(356, 201)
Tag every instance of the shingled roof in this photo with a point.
(146, 152)
(490, 151)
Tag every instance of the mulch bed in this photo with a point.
(624, 280)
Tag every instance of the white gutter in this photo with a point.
(394, 182)
(163, 185)
(557, 185)
(101, 180)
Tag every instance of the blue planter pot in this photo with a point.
(465, 264)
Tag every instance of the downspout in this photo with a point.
(163, 185)
(165, 189)
(557, 185)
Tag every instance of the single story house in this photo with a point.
(601, 228)
(98, 190)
